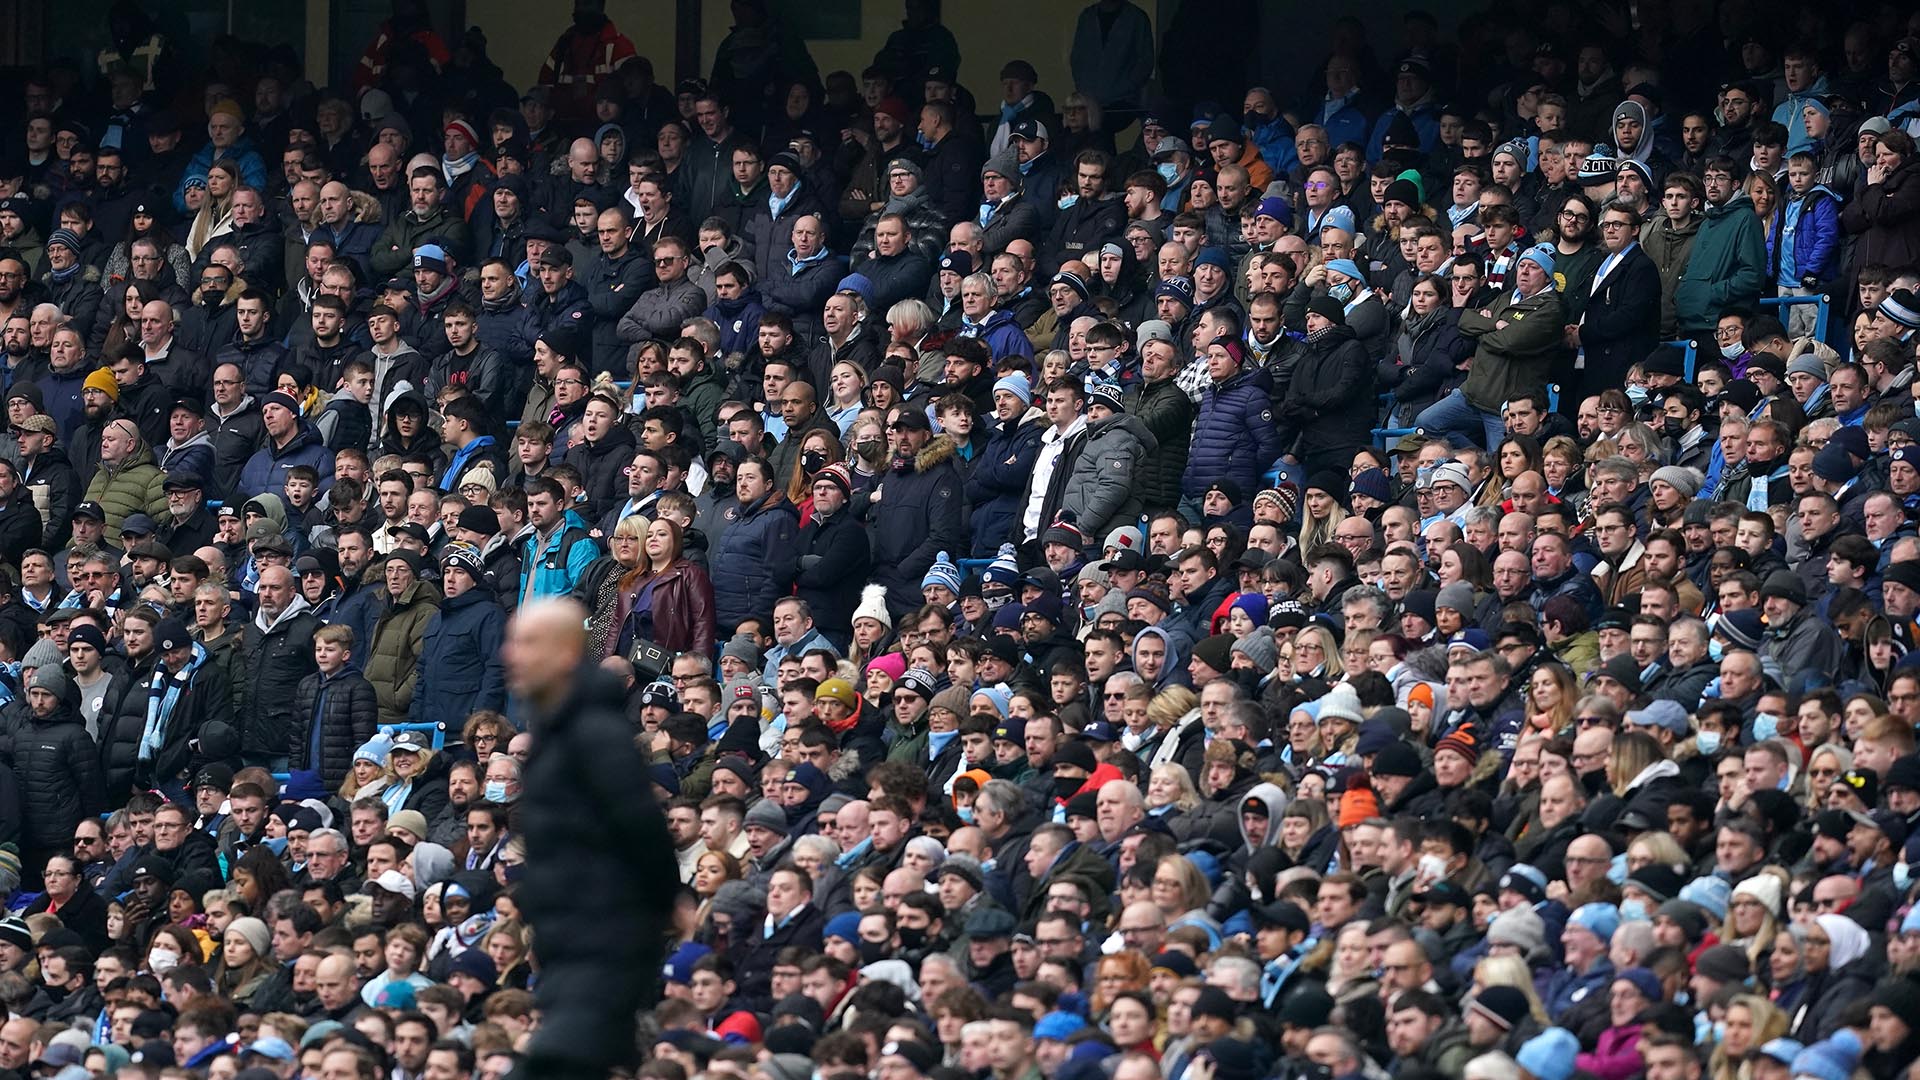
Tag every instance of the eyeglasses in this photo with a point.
(569, 382)
(1573, 216)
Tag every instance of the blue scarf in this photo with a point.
(64, 276)
(777, 205)
(937, 741)
(164, 689)
(795, 263)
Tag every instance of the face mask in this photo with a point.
(1340, 292)
(1633, 910)
(813, 461)
(160, 961)
(1636, 394)
(1902, 876)
(1707, 741)
(1433, 866)
(1168, 171)
(1715, 650)
(1131, 740)
(966, 814)
(872, 952)
(496, 791)
(1732, 351)
(868, 448)
(1065, 786)
(1252, 120)
(1068, 200)
(511, 871)
(912, 937)
(1672, 428)
(1765, 726)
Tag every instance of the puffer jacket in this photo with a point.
(835, 561)
(897, 277)
(398, 638)
(1234, 437)
(996, 487)
(1080, 229)
(658, 313)
(1167, 412)
(60, 781)
(1816, 237)
(918, 516)
(1330, 400)
(346, 719)
(274, 658)
(1103, 489)
(78, 298)
(460, 670)
(756, 561)
(132, 487)
(266, 471)
(1727, 268)
(121, 720)
(602, 469)
(1016, 218)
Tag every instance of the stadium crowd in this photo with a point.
(1411, 573)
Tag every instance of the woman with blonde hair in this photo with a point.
(368, 774)
(1551, 694)
(846, 395)
(1824, 766)
(1316, 656)
(1170, 791)
(1181, 893)
(1751, 1022)
(1753, 915)
(1510, 971)
(1322, 512)
(1638, 761)
(212, 204)
(1350, 971)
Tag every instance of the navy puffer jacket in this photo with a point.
(1234, 437)
(755, 565)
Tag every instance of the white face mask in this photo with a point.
(160, 961)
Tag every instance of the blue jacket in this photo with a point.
(253, 171)
(755, 566)
(1002, 333)
(459, 667)
(1567, 987)
(1344, 120)
(1275, 142)
(266, 471)
(510, 330)
(555, 567)
(354, 240)
(999, 479)
(739, 323)
(1792, 113)
(1234, 437)
(1426, 121)
(1814, 223)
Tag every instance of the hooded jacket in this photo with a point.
(1103, 487)
(275, 655)
(393, 658)
(1813, 222)
(1883, 218)
(1001, 332)
(1669, 246)
(60, 779)
(1727, 267)
(132, 487)
(917, 516)
(1330, 398)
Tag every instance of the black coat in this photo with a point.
(753, 951)
(346, 716)
(275, 661)
(85, 914)
(917, 517)
(60, 780)
(835, 560)
(54, 472)
(584, 819)
(203, 696)
(602, 468)
(1622, 325)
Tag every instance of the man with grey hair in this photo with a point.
(1365, 607)
(1238, 976)
(1689, 668)
(327, 851)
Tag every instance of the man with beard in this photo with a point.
(13, 282)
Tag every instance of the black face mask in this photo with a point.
(912, 937)
(872, 952)
(1065, 786)
(813, 461)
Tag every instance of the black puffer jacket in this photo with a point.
(835, 560)
(275, 660)
(584, 819)
(602, 468)
(917, 517)
(122, 719)
(60, 780)
(346, 722)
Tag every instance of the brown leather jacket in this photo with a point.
(682, 606)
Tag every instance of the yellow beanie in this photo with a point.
(102, 380)
(230, 107)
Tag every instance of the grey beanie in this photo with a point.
(768, 816)
(1005, 163)
(834, 803)
(740, 900)
(44, 653)
(1259, 648)
(741, 647)
(1684, 480)
(1458, 596)
(51, 679)
(786, 1067)
(1808, 364)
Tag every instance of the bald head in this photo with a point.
(546, 642)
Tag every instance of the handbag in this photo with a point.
(650, 661)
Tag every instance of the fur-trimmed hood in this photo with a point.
(936, 453)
